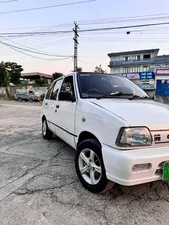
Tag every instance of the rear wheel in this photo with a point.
(46, 133)
(90, 167)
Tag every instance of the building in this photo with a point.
(137, 61)
(31, 77)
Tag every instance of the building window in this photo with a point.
(136, 57)
(127, 58)
(126, 69)
(145, 68)
(136, 69)
(147, 56)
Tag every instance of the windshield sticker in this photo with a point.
(85, 75)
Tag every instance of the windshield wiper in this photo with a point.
(110, 95)
(118, 93)
(139, 97)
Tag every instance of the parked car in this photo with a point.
(30, 96)
(119, 133)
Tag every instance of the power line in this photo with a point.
(40, 27)
(34, 51)
(124, 27)
(41, 43)
(67, 40)
(86, 30)
(100, 21)
(8, 1)
(47, 7)
(22, 34)
(150, 16)
(22, 51)
(37, 41)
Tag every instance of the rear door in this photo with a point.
(50, 102)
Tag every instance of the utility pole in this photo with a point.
(75, 45)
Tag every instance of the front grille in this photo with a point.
(160, 137)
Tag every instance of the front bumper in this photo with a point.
(119, 164)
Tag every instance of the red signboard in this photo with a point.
(162, 72)
(133, 76)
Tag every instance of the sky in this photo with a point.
(93, 47)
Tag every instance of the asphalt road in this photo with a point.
(39, 186)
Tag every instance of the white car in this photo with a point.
(119, 133)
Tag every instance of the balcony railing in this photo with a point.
(139, 62)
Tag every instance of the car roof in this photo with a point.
(76, 73)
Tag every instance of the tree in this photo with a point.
(10, 72)
(56, 75)
(41, 82)
(2, 75)
(4, 78)
(79, 69)
(99, 69)
(14, 71)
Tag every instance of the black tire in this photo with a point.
(19, 99)
(93, 145)
(46, 133)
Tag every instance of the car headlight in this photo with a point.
(134, 136)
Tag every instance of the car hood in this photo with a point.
(137, 112)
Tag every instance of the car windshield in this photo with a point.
(94, 85)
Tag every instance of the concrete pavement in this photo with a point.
(39, 186)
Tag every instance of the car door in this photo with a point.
(50, 102)
(66, 109)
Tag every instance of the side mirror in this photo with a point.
(66, 96)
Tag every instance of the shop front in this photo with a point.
(145, 80)
(162, 82)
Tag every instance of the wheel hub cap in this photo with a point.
(90, 166)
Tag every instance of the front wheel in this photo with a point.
(90, 167)
(19, 99)
(46, 133)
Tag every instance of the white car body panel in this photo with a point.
(65, 118)
(138, 112)
(119, 164)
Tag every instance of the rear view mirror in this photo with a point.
(66, 96)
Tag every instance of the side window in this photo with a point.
(49, 90)
(55, 89)
(67, 87)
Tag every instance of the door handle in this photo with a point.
(57, 106)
